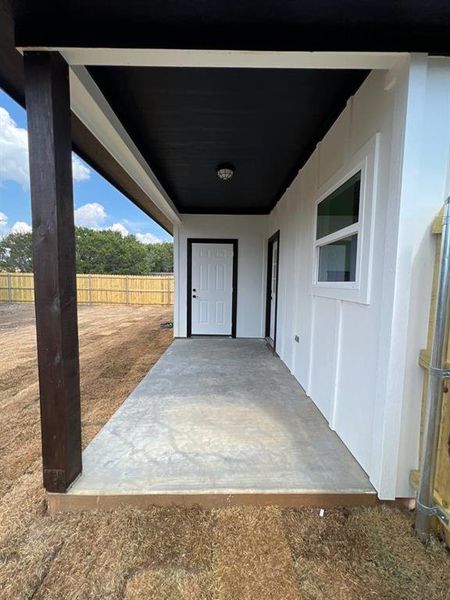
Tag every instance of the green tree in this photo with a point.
(16, 253)
(160, 257)
(109, 252)
(96, 252)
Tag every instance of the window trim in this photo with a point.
(366, 162)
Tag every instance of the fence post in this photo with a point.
(89, 289)
(9, 288)
(168, 289)
(127, 290)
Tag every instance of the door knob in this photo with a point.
(194, 296)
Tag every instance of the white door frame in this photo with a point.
(234, 243)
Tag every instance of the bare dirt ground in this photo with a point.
(175, 553)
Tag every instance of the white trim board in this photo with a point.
(242, 59)
(93, 110)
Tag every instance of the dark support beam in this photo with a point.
(50, 149)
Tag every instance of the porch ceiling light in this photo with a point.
(225, 171)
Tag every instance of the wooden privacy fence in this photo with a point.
(157, 288)
(442, 478)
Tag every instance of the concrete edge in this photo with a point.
(71, 502)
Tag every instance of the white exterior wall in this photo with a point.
(250, 231)
(357, 359)
(357, 354)
(336, 359)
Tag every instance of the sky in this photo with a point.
(98, 204)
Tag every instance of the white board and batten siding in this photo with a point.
(358, 345)
(357, 355)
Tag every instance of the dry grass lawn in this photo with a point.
(175, 553)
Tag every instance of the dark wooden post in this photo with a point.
(50, 150)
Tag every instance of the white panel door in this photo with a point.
(212, 289)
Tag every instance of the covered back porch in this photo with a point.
(217, 421)
(296, 117)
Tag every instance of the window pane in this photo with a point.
(340, 209)
(337, 261)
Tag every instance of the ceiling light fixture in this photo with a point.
(225, 171)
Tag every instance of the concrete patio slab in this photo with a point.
(218, 416)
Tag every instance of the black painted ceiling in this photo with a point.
(266, 122)
(407, 25)
(187, 121)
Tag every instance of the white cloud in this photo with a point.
(148, 238)
(13, 150)
(119, 228)
(14, 154)
(20, 227)
(3, 222)
(80, 172)
(91, 215)
(144, 238)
